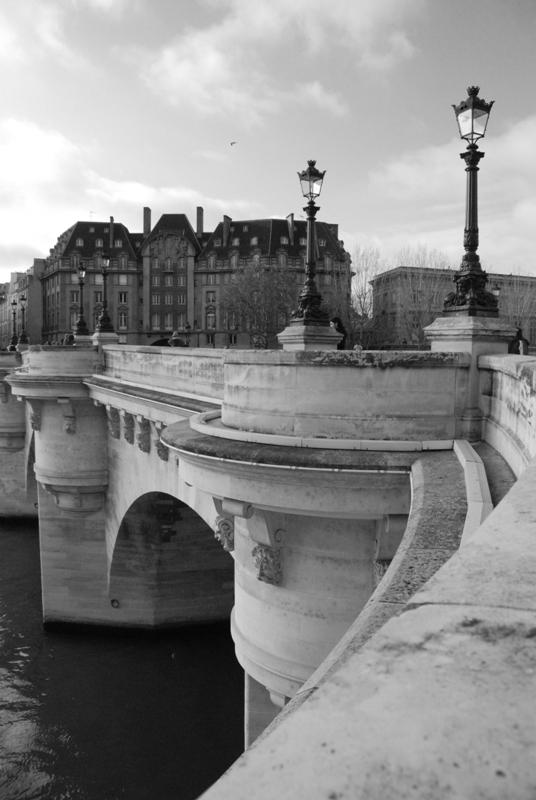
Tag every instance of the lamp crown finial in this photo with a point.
(311, 162)
(473, 91)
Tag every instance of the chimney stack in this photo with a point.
(290, 223)
(199, 230)
(146, 221)
(111, 232)
(226, 225)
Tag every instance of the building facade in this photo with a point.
(407, 299)
(168, 277)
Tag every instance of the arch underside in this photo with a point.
(167, 567)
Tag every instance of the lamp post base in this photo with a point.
(309, 337)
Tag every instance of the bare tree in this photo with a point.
(259, 299)
(517, 300)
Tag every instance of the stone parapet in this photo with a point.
(346, 395)
(184, 370)
(508, 404)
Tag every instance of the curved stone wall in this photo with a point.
(346, 395)
(508, 402)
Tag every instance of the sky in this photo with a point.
(107, 106)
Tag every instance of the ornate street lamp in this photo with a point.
(23, 337)
(81, 328)
(310, 311)
(14, 338)
(470, 297)
(105, 324)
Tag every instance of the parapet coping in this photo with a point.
(206, 423)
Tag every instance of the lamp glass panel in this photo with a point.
(465, 123)
(480, 120)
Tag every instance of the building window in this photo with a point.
(181, 299)
(92, 229)
(156, 263)
(123, 262)
(181, 280)
(168, 321)
(155, 299)
(217, 242)
(155, 322)
(234, 261)
(168, 267)
(168, 299)
(327, 262)
(97, 297)
(254, 241)
(282, 260)
(211, 262)
(182, 263)
(321, 242)
(211, 280)
(123, 280)
(73, 318)
(181, 319)
(79, 242)
(245, 228)
(123, 297)
(210, 339)
(236, 242)
(232, 338)
(168, 280)
(118, 243)
(210, 297)
(75, 297)
(284, 240)
(123, 320)
(98, 243)
(155, 280)
(303, 241)
(211, 319)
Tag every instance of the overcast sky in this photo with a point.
(110, 105)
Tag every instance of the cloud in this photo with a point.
(223, 69)
(48, 183)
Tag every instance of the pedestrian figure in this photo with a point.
(68, 338)
(519, 346)
(336, 322)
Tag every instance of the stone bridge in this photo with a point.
(305, 495)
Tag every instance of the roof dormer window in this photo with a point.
(255, 240)
(236, 242)
(284, 240)
(245, 228)
(99, 243)
(321, 242)
(118, 243)
(79, 242)
(217, 242)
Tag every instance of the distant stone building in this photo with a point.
(269, 243)
(406, 299)
(23, 289)
(165, 278)
(86, 241)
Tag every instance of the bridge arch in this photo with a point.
(166, 567)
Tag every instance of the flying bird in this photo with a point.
(232, 143)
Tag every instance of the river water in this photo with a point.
(102, 716)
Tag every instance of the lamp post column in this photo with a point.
(14, 339)
(81, 328)
(105, 324)
(309, 327)
(23, 337)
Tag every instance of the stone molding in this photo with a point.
(161, 449)
(114, 422)
(224, 533)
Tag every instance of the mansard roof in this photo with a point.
(269, 233)
(89, 232)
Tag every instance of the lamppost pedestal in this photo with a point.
(308, 337)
